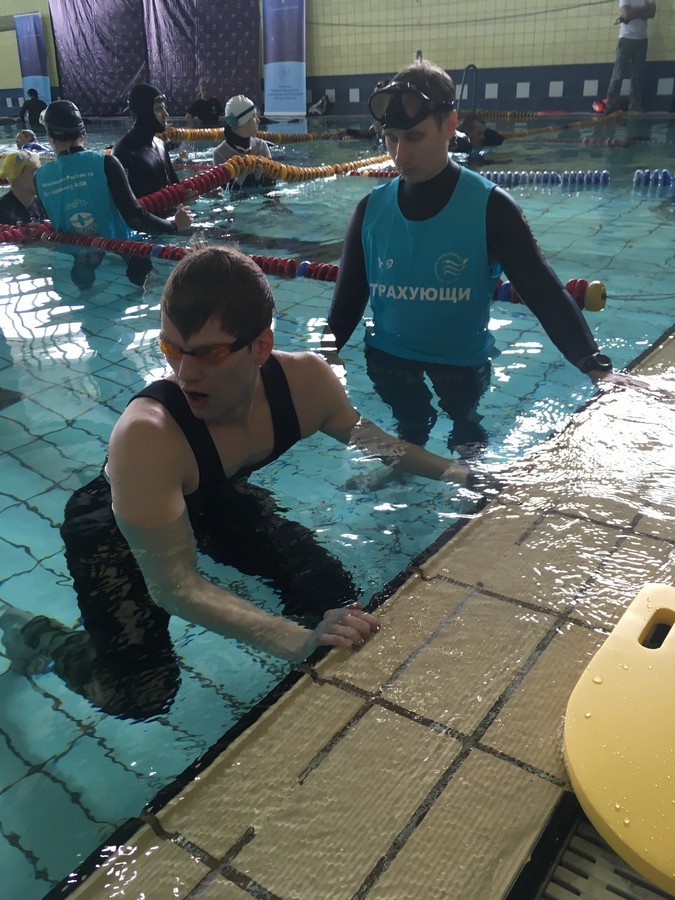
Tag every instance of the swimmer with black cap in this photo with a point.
(142, 153)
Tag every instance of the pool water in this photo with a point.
(70, 360)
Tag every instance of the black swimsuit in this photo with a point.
(284, 423)
(124, 661)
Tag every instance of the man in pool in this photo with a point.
(426, 249)
(33, 107)
(176, 480)
(206, 110)
(241, 129)
(143, 154)
(27, 140)
(474, 127)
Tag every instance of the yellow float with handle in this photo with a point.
(619, 739)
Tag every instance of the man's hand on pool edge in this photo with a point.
(607, 379)
(349, 627)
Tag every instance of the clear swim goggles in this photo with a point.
(400, 105)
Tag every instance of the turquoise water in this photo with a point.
(69, 775)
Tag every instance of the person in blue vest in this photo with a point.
(426, 250)
(87, 192)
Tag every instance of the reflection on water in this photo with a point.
(599, 503)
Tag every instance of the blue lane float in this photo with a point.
(657, 178)
(566, 179)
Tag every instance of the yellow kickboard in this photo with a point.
(619, 739)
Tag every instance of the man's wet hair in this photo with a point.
(431, 80)
(220, 282)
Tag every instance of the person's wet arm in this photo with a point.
(132, 212)
(145, 468)
(512, 244)
(342, 422)
(350, 297)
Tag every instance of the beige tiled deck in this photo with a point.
(427, 764)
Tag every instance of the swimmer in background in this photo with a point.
(474, 127)
(176, 480)
(27, 140)
(206, 110)
(87, 192)
(143, 154)
(33, 107)
(241, 128)
(20, 205)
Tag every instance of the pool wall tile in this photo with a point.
(468, 664)
(530, 725)
(473, 840)
(218, 888)
(318, 840)
(146, 866)
(406, 620)
(258, 771)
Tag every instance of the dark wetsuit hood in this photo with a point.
(141, 102)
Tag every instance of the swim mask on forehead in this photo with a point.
(400, 105)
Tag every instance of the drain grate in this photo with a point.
(591, 870)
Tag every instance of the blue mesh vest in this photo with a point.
(430, 282)
(75, 193)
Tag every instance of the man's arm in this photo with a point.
(637, 12)
(171, 172)
(323, 405)
(512, 244)
(350, 297)
(145, 467)
(132, 212)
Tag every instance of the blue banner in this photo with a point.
(285, 68)
(30, 41)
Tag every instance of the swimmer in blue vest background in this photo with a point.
(426, 250)
(87, 192)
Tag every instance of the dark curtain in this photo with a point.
(105, 47)
(101, 52)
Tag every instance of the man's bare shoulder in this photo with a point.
(319, 398)
(143, 430)
(307, 373)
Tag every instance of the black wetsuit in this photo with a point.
(143, 155)
(207, 111)
(146, 160)
(32, 108)
(124, 660)
(510, 243)
(13, 212)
